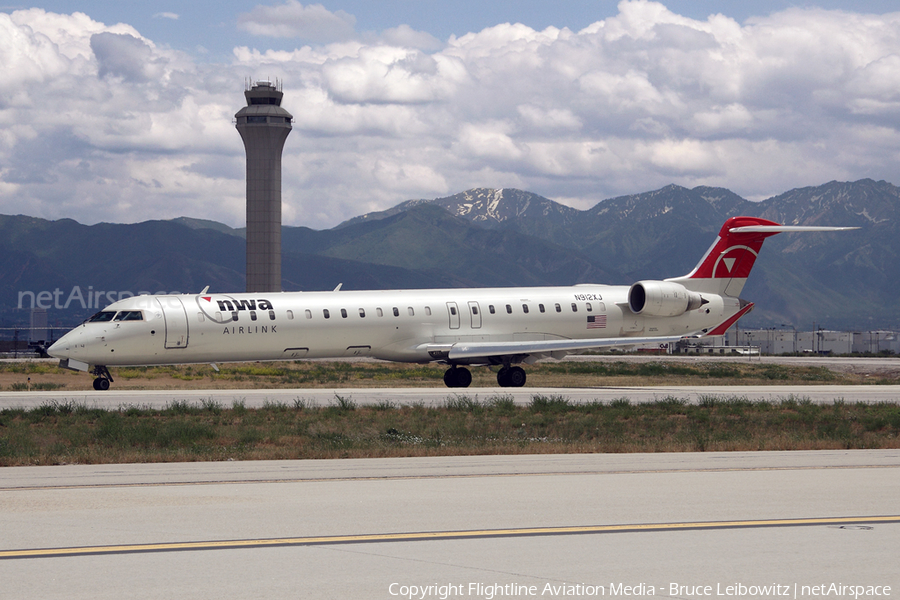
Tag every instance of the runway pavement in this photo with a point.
(730, 525)
(438, 396)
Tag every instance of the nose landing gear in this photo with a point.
(101, 383)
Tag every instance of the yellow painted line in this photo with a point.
(435, 535)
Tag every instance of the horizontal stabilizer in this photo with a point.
(785, 228)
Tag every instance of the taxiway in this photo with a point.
(380, 528)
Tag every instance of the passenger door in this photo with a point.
(175, 317)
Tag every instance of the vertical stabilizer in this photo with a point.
(724, 268)
(726, 265)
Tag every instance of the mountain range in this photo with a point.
(490, 237)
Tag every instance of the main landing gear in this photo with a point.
(455, 377)
(101, 384)
(511, 377)
(460, 377)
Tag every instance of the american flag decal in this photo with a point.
(598, 322)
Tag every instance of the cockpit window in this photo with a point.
(130, 315)
(103, 316)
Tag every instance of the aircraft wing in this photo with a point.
(539, 348)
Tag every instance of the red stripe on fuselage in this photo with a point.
(723, 327)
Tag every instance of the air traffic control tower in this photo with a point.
(264, 126)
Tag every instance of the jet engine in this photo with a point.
(662, 299)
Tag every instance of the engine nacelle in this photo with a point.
(662, 299)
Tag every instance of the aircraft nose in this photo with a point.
(58, 349)
(63, 347)
(70, 351)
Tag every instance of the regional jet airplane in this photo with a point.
(499, 327)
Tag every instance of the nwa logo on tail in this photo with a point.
(216, 308)
(735, 251)
(735, 262)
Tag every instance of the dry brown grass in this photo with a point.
(69, 433)
(605, 371)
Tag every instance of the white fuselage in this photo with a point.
(396, 325)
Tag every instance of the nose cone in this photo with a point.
(59, 349)
(65, 346)
(69, 351)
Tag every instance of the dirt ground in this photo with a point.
(22, 375)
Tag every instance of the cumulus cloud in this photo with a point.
(98, 123)
(407, 37)
(123, 55)
(311, 22)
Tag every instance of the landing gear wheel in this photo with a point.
(457, 377)
(101, 383)
(516, 377)
(503, 377)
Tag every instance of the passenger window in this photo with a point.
(379, 312)
(234, 315)
(602, 307)
(326, 313)
(428, 311)
(558, 307)
(362, 313)
(574, 307)
(509, 309)
(307, 312)
(541, 307)
(491, 309)
(271, 315)
(200, 317)
(410, 310)
(218, 316)
(344, 313)
(525, 308)
(252, 315)
(396, 312)
(589, 307)
(474, 310)
(453, 310)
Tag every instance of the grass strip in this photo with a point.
(70, 432)
(610, 371)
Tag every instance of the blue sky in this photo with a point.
(212, 24)
(121, 111)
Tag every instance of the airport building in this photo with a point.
(264, 127)
(789, 341)
(39, 330)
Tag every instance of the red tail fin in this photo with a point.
(725, 266)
